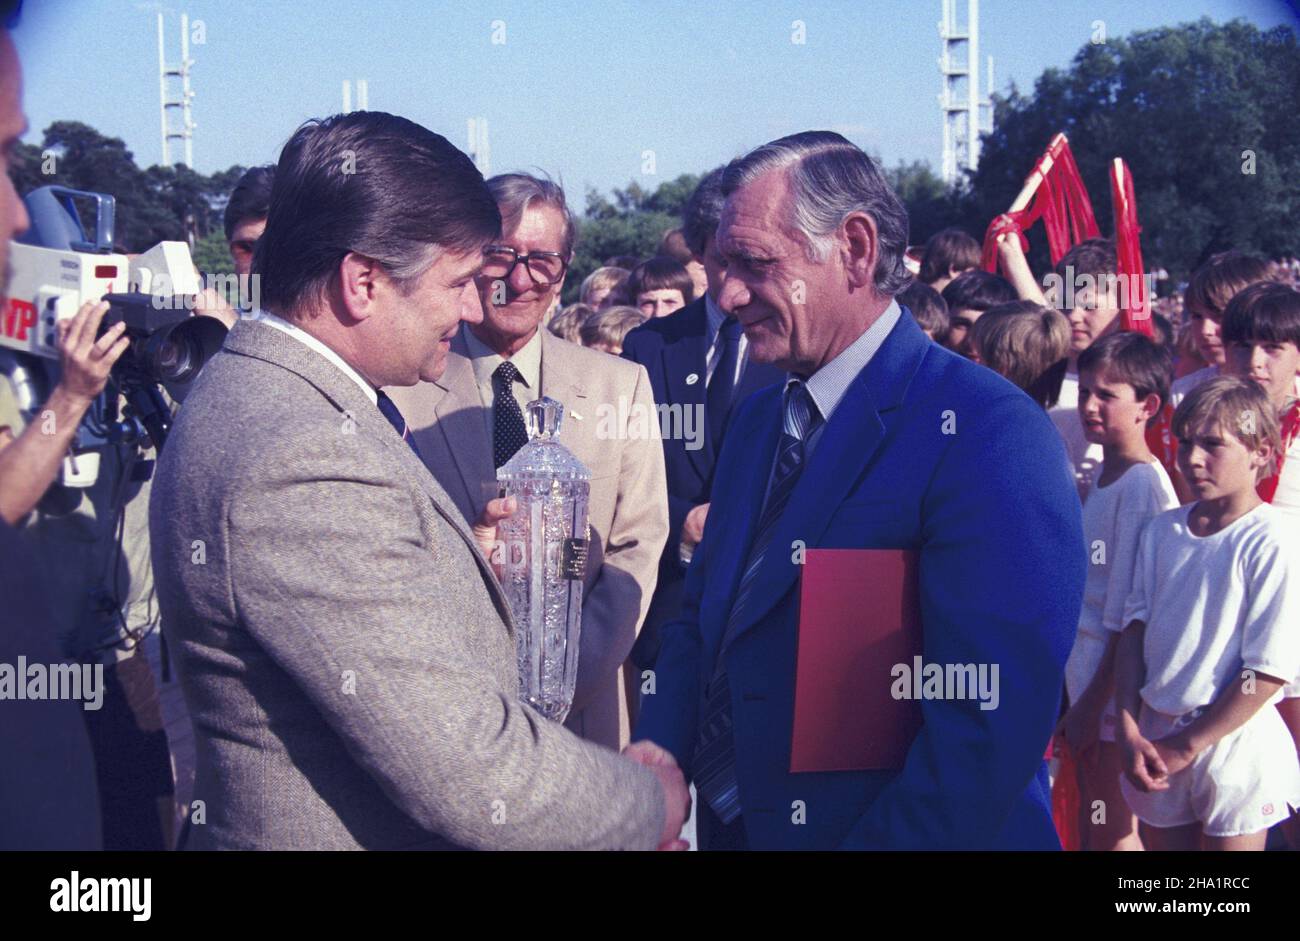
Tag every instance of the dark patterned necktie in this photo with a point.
(715, 750)
(509, 434)
(398, 422)
(722, 385)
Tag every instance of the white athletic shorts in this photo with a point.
(1240, 785)
(1080, 668)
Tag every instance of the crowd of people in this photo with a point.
(1190, 582)
(1107, 514)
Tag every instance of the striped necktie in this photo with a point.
(715, 750)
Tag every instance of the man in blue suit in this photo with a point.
(878, 439)
(698, 360)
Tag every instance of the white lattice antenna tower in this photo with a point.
(363, 95)
(966, 112)
(178, 99)
(480, 150)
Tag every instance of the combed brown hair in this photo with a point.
(674, 246)
(1134, 359)
(1235, 404)
(610, 326)
(371, 183)
(927, 307)
(977, 290)
(1027, 344)
(1214, 283)
(948, 250)
(613, 278)
(567, 322)
(1096, 257)
(1267, 312)
(660, 274)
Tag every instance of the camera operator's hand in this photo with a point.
(31, 463)
(86, 359)
(210, 303)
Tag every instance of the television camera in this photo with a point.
(55, 268)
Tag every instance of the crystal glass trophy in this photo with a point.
(544, 554)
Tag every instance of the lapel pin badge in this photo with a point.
(692, 379)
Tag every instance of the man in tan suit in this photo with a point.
(466, 425)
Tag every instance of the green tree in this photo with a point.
(931, 204)
(212, 254)
(152, 205)
(84, 159)
(1204, 115)
(633, 222)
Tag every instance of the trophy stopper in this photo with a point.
(543, 418)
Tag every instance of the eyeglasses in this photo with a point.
(543, 267)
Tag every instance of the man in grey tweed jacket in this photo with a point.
(346, 653)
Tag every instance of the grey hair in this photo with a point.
(702, 212)
(830, 178)
(515, 192)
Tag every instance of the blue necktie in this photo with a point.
(715, 750)
(398, 422)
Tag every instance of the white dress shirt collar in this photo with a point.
(528, 360)
(302, 336)
(828, 385)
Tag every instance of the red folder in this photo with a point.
(859, 616)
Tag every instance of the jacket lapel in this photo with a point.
(250, 338)
(460, 422)
(756, 433)
(686, 358)
(562, 381)
(845, 449)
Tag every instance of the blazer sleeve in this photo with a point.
(615, 607)
(670, 711)
(332, 575)
(1002, 566)
(670, 715)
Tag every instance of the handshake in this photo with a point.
(677, 799)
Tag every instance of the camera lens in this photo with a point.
(175, 355)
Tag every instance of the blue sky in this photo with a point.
(578, 89)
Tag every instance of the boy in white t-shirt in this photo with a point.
(1085, 288)
(1261, 330)
(1210, 640)
(1123, 383)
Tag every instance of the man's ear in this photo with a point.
(359, 280)
(861, 249)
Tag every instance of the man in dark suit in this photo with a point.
(697, 359)
(879, 439)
